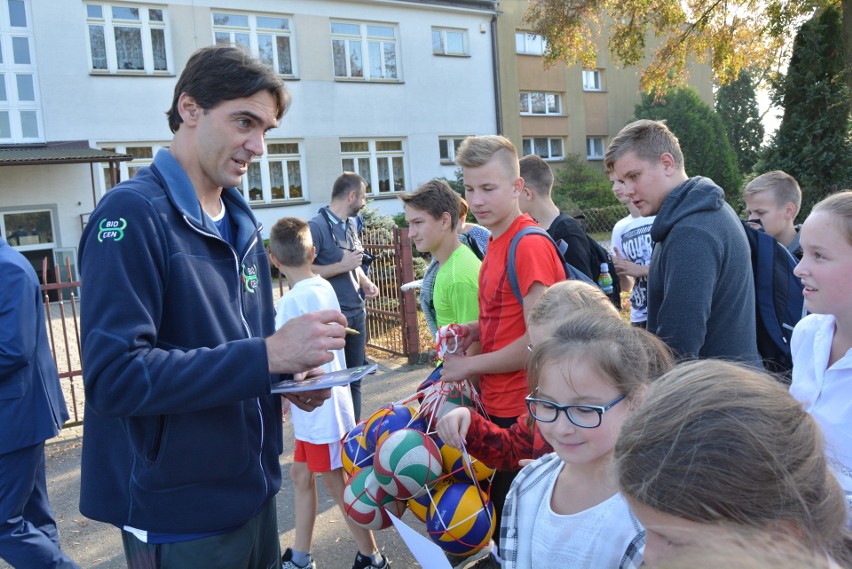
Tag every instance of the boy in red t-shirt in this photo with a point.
(492, 184)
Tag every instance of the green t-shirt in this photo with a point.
(455, 295)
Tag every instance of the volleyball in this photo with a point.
(419, 506)
(443, 397)
(354, 453)
(406, 462)
(454, 464)
(363, 509)
(458, 521)
(389, 419)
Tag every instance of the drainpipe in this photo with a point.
(496, 71)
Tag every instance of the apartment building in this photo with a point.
(386, 88)
(564, 109)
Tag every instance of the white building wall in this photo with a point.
(437, 96)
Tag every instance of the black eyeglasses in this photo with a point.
(583, 416)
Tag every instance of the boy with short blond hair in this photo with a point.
(319, 433)
(493, 185)
(774, 199)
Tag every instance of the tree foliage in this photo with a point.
(701, 132)
(737, 107)
(578, 186)
(730, 35)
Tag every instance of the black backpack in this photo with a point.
(571, 272)
(472, 245)
(778, 299)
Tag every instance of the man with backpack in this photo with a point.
(701, 283)
(581, 251)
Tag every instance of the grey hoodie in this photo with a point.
(700, 286)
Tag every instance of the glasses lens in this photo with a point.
(585, 416)
(543, 411)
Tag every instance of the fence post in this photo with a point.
(407, 301)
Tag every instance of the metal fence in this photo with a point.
(392, 316)
(63, 329)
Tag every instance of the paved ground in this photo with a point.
(98, 546)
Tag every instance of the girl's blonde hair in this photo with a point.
(564, 298)
(627, 356)
(840, 204)
(715, 442)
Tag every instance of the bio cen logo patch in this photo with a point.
(250, 278)
(111, 229)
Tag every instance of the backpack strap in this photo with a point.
(570, 271)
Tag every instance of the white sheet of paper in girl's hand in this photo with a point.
(427, 553)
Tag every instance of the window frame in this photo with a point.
(264, 162)
(530, 43)
(364, 40)
(530, 106)
(590, 150)
(551, 157)
(254, 31)
(596, 84)
(371, 158)
(108, 22)
(443, 31)
(129, 168)
(455, 142)
(19, 113)
(29, 246)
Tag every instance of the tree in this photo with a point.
(732, 35)
(737, 107)
(577, 185)
(813, 141)
(701, 132)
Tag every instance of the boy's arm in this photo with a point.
(511, 357)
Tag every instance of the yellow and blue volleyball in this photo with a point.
(363, 508)
(419, 505)
(461, 520)
(454, 464)
(406, 463)
(354, 452)
(398, 417)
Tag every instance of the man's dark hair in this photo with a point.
(345, 184)
(436, 198)
(216, 74)
(537, 174)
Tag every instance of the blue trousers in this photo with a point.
(28, 534)
(355, 353)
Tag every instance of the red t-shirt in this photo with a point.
(501, 316)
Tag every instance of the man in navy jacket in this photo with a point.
(182, 434)
(32, 410)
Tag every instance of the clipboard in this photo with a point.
(324, 381)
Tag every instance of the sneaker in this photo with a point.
(363, 562)
(287, 562)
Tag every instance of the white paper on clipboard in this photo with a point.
(325, 381)
(427, 553)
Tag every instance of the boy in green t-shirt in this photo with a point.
(432, 213)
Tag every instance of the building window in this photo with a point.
(449, 42)
(268, 37)
(364, 51)
(447, 148)
(529, 44)
(20, 108)
(547, 148)
(128, 39)
(592, 80)
(533, 103)
(143, 155)
(28, 230)
(595, 147)
(379, 161)
(276, 176)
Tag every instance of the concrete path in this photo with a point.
(98, 546)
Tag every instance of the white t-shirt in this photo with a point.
(825, 393)
(632, 236)
(330, 421)
(596, 538)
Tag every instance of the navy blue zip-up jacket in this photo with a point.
(182, 434)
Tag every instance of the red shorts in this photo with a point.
(319, 458)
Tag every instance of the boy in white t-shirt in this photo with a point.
(319, 434)
(631, 254)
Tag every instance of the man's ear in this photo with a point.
(188, 109)
(790, 211)
(518, 185)
(668, 162)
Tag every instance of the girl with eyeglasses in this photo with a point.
(564, 509)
